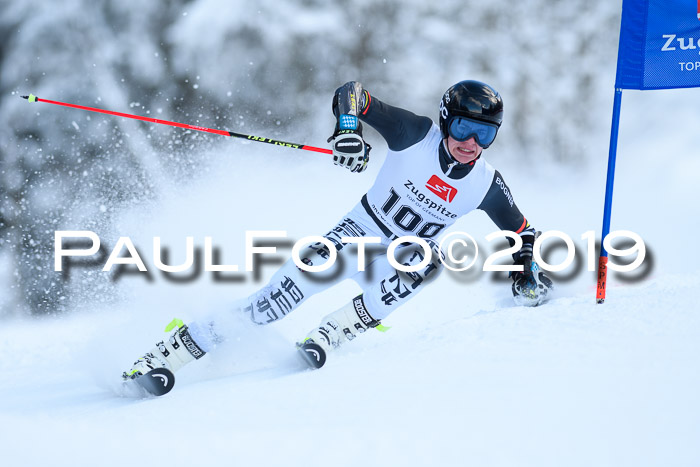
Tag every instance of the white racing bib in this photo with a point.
(412, 196)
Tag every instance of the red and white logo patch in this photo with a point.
(444, 190)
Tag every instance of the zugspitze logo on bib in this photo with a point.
(442, 189)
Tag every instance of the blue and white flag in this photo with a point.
(659, 44)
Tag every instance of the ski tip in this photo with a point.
(30, 97)
(158, 381)
(312, 353)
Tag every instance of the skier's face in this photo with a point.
(464, 151)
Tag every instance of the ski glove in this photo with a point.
(531, 287)
(349, 149)
(524, 256)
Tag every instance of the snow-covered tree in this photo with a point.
(269, 67)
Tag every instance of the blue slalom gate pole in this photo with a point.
(612, 155)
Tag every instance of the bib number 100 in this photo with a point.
(408, 219)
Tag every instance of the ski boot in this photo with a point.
(155, 370)
(340, 326)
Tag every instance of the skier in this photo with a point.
(432, 175)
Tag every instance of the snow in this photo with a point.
(569, 383)
(463, 377)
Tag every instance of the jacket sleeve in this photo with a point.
(501, 208)
(400, 128)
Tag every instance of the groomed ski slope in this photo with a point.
(462, 378)
(569, 383)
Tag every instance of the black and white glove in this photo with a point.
(350, 150)
(524, 256)
(531, 287)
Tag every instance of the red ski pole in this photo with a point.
(260, 139)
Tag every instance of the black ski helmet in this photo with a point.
(471, 99)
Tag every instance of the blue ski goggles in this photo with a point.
(461, 129)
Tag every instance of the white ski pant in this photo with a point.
(384, 287)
